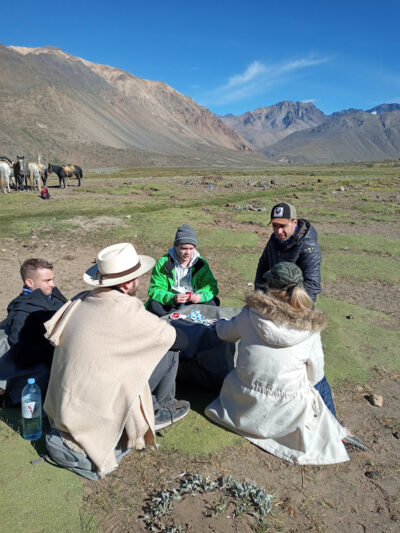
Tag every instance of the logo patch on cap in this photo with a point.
(278, 212)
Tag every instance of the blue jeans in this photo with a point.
(325, 391)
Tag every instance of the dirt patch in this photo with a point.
(95, 224)
(376, 295)
(360, 495)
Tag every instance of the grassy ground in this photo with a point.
(355, 209)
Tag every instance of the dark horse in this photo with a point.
(66, 171)
(21, 173)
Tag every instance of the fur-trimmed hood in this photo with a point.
(283, 314)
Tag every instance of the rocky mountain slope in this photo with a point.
(356, 136)
(267, 125)
(300, 133)
(69, 109)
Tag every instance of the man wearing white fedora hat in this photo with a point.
(114, 365)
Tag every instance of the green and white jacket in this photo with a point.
(162, 281)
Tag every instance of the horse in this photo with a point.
(37, 172)
(21, 173)
(6, 159)
(6, 172)
(66, 171)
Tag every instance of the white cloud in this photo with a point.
(255, 70)
(257, 78)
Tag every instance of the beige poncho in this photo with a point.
(107, 346)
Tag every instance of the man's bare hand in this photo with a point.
(195, 298)
(181, 298)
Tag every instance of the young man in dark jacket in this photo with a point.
(29, 349)
(294, 240)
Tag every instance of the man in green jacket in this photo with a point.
(181, 277)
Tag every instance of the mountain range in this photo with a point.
(71, 110)
(68, 109)
(298, 132)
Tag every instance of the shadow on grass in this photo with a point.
(198, 397)
(12, 417)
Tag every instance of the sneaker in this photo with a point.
(166, 416)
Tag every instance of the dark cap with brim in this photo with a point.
(283, 276)
(283, 212)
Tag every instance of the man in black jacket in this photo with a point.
(30, 352)
(294, 240)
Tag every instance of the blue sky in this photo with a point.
(229, 56)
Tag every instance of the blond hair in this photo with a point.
(296, 297)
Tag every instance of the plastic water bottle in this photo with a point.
(31, 405)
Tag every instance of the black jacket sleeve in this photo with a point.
(309, 262)
(263, 266)
(181, 342)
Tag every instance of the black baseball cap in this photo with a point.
(283, 212)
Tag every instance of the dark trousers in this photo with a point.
(162, 381)
(161, 310)
(325, 391)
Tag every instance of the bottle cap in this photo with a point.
(31, 381)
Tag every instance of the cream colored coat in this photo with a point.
(269, 396)
(107, 346)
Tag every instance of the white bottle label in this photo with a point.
(28, 409)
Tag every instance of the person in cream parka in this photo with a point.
(269, 397)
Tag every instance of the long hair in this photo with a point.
(296, 297)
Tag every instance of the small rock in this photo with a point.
(341, 188)
(128, 216)
(3, 250)
(249, 284)
(358, 388)
(376, 399)
(349, 317)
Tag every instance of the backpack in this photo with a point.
(44, 193)
(80, 463)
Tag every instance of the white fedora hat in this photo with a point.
(117, 263)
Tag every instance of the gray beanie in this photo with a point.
(185, 235)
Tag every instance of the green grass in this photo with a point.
(245, 264)
(360, 267)
(220, 238)
(196, 435)
(372, 244)
(50, 499)
(353, 347)
(36, 498)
